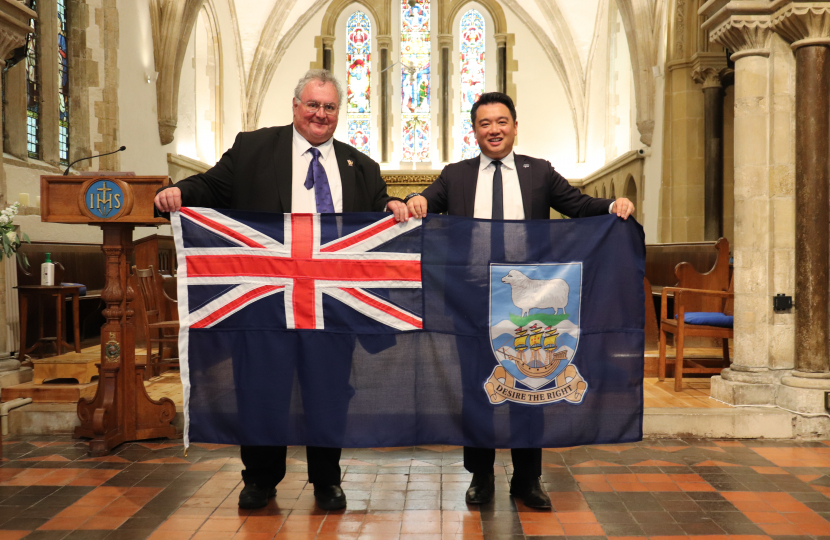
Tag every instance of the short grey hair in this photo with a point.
(322, 76)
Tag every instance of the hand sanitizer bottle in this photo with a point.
(47, 271)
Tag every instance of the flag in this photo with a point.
(353, 330)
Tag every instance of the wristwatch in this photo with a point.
(413, 194)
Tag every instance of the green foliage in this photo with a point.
(11, 239)
(545, 318)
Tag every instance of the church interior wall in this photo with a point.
(546, 127)
(653, 171)
(276, 106)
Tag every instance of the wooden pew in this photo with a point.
(698, 265)
(158, 251)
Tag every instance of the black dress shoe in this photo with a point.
(530, 493)
(481, 489)
(330, 497)
(254, 496)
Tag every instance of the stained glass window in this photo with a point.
(32, 91)
(358, 107)
(415, 53)
(472, 76)
(63, 84)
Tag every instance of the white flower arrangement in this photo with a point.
(11, 240)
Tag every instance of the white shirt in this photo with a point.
(302, 199)
(512, 193)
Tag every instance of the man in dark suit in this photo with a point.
(294, 168)
(502, 185)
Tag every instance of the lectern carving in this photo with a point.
(121, 409)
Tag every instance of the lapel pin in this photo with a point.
(526, 165)
(350, 162)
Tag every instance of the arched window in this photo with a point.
(63, 85)
(472, 76)
(415, 86)
(358, 103)
(33, 91)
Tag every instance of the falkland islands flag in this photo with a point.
(352, 330)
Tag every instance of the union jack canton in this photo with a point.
(300, 267)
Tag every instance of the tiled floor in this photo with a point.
(709, 490)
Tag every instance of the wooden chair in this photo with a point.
(163, 334)
(687, 300)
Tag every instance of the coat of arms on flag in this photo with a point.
(534, 332)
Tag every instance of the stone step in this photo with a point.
(49, 393)
(54, 418)
(725, 423)
(732, 423)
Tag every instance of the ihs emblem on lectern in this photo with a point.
(104, 198)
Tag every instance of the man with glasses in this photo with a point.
(500, 184)
(293, 168)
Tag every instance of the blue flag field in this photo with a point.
(352, 330)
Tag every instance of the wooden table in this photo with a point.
(58, 293)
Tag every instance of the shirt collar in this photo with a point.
(301, 145)
(507, 161)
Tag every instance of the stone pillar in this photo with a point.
(48, 41)
(749, 380)
(807, 28)
(14, 27)
(384, 46)
(445, 45)
(328, 52)
(501, 62)
(708, 69)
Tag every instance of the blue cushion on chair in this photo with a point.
(81, 291)
(709, 319)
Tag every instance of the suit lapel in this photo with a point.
(525, 173)
(283, 164)
(469, 182)
(347, 174)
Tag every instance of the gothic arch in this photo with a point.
(642, 21)
(269, 52)
(451, 8)
(172, 24)
(380, 12)
(209, 10)
(565, 61)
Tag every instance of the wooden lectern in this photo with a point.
(121, 409)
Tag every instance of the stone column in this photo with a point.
(707, 71)
(328, 52)
(807, 28)
(14, 27)
(384, 46)
(749, 380)
(501, 62)
(445, 45)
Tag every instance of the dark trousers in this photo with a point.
(527, 462)
(265, 465)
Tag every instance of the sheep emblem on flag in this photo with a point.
(534, 332)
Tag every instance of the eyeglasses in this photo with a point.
(313, 107)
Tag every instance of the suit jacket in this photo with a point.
(255, 174)
(454, 192)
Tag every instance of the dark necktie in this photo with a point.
(498, 192)
(316, 177)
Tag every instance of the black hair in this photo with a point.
(493, 97)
